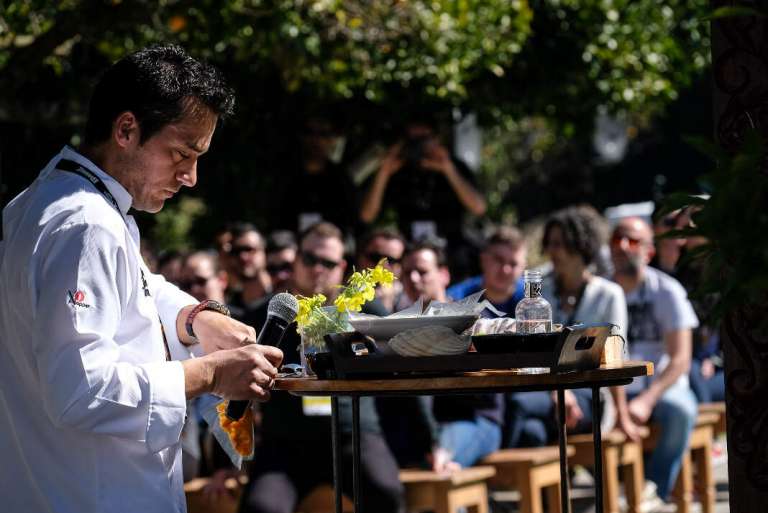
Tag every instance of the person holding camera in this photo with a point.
(424, 184)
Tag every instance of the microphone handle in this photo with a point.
(272, 331)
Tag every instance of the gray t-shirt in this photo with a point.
(656, 307)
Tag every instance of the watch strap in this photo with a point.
(206, 304)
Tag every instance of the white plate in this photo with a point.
(383, 328)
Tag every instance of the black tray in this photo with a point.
(575, 348)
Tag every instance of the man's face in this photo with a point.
(319, 266)
(247, 252)
(423, 277)
(383, 247)
(631, 246)
(280, 267)
(201, 280)
(502, 266)
(155, 170)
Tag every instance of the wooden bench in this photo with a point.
(719, 409)
(620, 456)
(322, 500)
(697, 459)
(531, 471)
(197, 502)
(446, 492)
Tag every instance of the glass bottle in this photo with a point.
(533, 313)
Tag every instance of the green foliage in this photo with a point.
(734, 222)
(173, 224)
(557, 58)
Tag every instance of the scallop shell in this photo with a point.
(429, 341)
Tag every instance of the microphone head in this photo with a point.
(284, 306)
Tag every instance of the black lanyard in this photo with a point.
(71, 166)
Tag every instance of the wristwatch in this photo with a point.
(206, 304)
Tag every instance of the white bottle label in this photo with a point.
(534, 326)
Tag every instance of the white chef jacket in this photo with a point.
(90, 410)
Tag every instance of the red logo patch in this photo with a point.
(77, 298)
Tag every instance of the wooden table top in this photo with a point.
(488, 380)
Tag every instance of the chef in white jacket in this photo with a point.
(98, 356)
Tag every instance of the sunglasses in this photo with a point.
(376, 257)
(311, 260)
(291, 370)
(632, 243)
(237, 250)
(198, 281)
(279, 268)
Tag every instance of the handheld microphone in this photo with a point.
(281, 312)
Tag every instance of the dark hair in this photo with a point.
(280, 240)
(240, 228)
(507, 235)
(210, 254)
(159, 85)
(433, 244)
(323, 230)
(583, 231)
(387, 232)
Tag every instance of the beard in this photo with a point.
(629, 265)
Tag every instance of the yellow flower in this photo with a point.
(381, 274)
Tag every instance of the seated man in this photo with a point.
(466, 428)
(659, 330)
(502, 262)
(295, 453)
(384, 243)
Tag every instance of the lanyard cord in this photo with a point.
(73, 167)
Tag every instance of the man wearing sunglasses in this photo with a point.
(281, 254)
(249, 264)
(295, 453)
(659, 330)
(384, 243)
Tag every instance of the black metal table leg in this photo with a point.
(598, 444)
(563, 442)
(336, 447)
(358, 499)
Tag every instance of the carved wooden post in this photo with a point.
(740, 67)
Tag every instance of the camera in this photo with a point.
(413, 150)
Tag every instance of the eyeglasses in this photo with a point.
(279, 268)
(376, 257)
(632, 243)
(311, 260)
(237, 250)
(198, 281)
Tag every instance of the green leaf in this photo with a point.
(733, 12)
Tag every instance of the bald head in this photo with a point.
(632, 246)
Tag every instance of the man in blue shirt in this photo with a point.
(502, 262)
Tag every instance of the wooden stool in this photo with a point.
(199, 503)
(322, 500)
(698, 459)
(619, 455)
(445, 493)
(719, 409)
(531, 471)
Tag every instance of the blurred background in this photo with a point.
(549, 102)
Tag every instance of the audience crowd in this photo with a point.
(621, 274)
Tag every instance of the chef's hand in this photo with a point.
(214, 331)
(247, 372)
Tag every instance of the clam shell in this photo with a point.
(429, 341)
